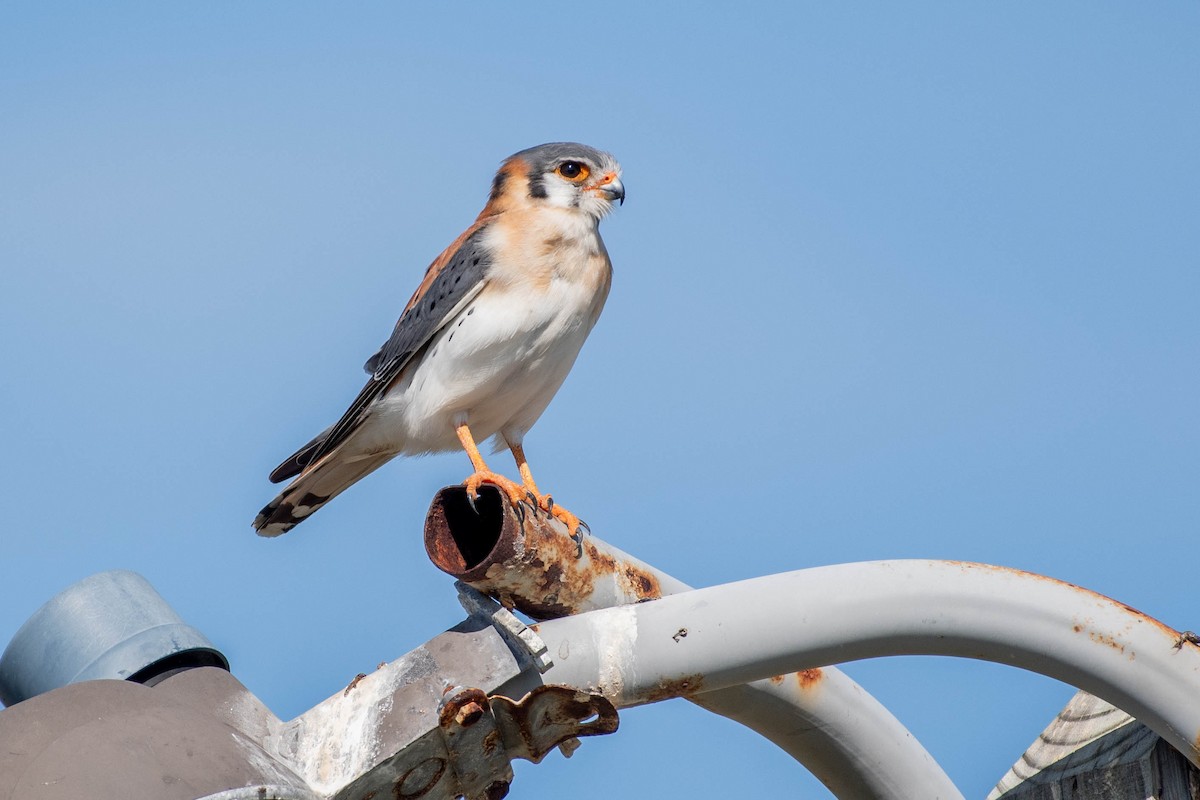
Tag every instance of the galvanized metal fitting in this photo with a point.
(517, 634)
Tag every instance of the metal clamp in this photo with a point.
(518, 635)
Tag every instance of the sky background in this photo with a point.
(892, 281)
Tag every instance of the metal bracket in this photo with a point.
(549, 717)
(483, 733)
(518, 635)
(478, 759)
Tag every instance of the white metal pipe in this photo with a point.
(822, 718)
(726, 635)
(839, 731)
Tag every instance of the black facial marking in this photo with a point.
(537, 186)
(498, 185)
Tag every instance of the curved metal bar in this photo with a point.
(844, 736)
(822, 718)
(726, 635)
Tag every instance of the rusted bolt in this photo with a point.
(468, 715)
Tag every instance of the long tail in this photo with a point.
(313, 488)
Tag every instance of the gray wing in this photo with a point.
(461, 276)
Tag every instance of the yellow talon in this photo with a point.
(514, 490)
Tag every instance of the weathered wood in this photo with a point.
(1093, 751)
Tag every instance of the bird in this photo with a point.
(484, 343)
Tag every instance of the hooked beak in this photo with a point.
(612, 188)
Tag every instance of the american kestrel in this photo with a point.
(484, 343)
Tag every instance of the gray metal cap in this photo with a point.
(110, 625)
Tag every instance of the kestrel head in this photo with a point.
(560, 175)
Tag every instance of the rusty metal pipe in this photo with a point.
(526, 560)
(822, 718)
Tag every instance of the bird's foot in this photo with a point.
(575, 525)
(515, 491)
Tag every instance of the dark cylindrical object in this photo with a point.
(110, 625)
(527, 559)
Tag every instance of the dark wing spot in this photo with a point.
(470, 311)
(450, 338)
(309, 500)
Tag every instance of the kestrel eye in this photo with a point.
(572, 171)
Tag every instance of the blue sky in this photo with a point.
(914, 281)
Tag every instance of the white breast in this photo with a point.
(498, 363)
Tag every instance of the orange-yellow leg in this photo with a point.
(514, 490)
(545, 501)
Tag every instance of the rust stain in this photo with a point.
(1141, 617)
(601, 563)
(809, 678)
(532, 565)
(776, 679)
(680, 687)
(469, 714)
(465, 708)
(354, 684)
(1104, 639)
(643, 584)
(546, 578)
(541, 609)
